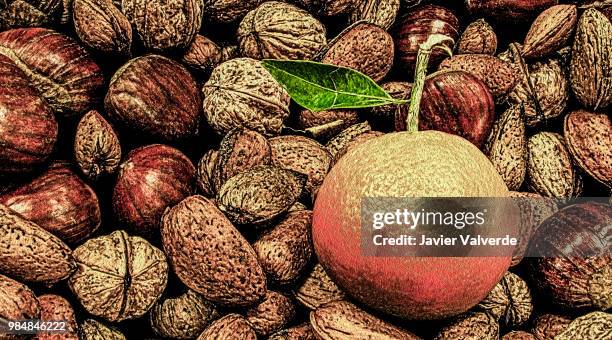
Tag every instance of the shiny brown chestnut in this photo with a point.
(151, 179)
(509, 10)
(59, 201)
(455, 102)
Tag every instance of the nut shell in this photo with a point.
(548, 326)
(202, 55)
(377, 12)
(56, 308)
(272, 314)
(18, 302)
(509, 301)
(318, 289)
(508, 11)
(96, 146)
(551, 30)
(30, 253)
(151, 179)
(226, 11)
(242, 93)
(588, 138)
(100, 25)
(119, 277)
(205, 173)
(471, 326)
(595, 325)
(58, 201)
(209, 254)
(182, 317)
(155, 95)
(230, 327)
(93, 330)
(550, 170)
(478, 38)
(518, 335)
(18, 13)
(300, 332)
(277, 30)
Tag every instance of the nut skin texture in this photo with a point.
(30, 253)
(209, 254)
(414, 28)
(455, 102)
(591, 63)
(272, 314)
(519, 335)
(300, 332)
(478, 38)
(343, 320)
(499, 82)
(17, 302)
(29, 129)
(595, 325)
(151, 179)
(56, 308)
(230, 327)
(119, 277)
(587, 136)
(303, 155)
(205, 173)
(277, 30)
(20, 13)
(550, 170)
(284, 251)
(471, 326)
(157, 96)
(508, 10)
(586, 279)
(182, 317)
(202, 55)
(551, 30)
(509, 302)
(362, 46)
(164, 25)
(93, 330)
(506, 147)
(548, 326)
(226, 11)
(260, 194)
(318, 289)
(64, 74)
(341, 140)
(58, 201)
(239, 151)
(100, 25)
(242, 93)
(96, 146)
(378, 12)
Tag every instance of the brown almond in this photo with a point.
(550, 31)
(500, 82)
(591, 63)
(182, 317)
(518, 335)
(229, 327)
(18, 302)
(300, 332)
(318, 289)
(549, 169)
(272, 314)
(507, 147)
(30, 253)
(93, 330)
(344, 320)
(240, 150)
(337, 143)
(260, 194)
(595, 325)
(210, 255)
(471, 326)
(363, 47)
(478, 38)
(589, 139)
(56, 308)
(96, 146)
(284, 251)
(205, 173)
(303, 155)
(548, 326)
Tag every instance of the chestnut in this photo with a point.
(152, 178)
(509, 11)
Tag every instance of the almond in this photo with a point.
(56, 308)
(318, 289)
(183, 317)
(284, 251)
(303, 155)
(589, 139)
(18, 303)
(550, 170)
(507, 147)
(471, 326)
(478, 38)
(499, 82)
(260, 194)
(229, 327)
(272, 314)
(340, 141)
(30, 253)
(551, 30)
(300, 332)
(362, 46)
(344, 320)
(93, 330)
(96, 146)
(210, 255)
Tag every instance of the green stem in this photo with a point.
(434, 41)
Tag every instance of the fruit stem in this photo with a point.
(434, 41)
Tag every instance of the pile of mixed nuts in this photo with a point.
(156, 180)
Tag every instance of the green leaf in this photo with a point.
(318, 87)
